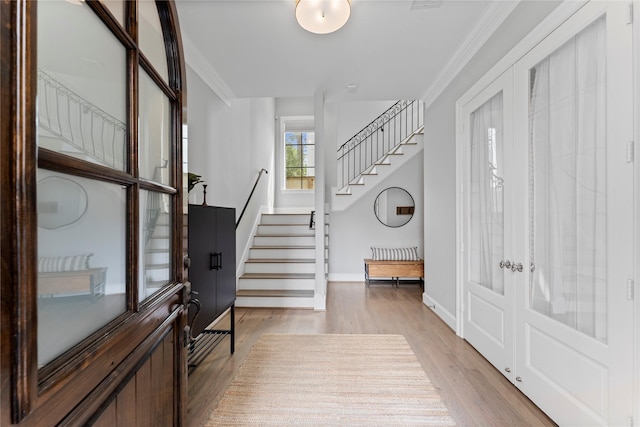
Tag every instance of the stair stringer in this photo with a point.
(341, 201)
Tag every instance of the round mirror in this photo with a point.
(61, 202)
(394, 207)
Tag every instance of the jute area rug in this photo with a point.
(331, 380)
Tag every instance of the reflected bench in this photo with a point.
(90, 281)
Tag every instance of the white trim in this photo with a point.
(560, 14)
(346, 277)
(206, 72)
(440, 311)
(460, 179)
(488, 23)
(636, 136)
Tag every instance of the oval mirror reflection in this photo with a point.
(394, 207)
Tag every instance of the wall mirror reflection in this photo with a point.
(394, 207)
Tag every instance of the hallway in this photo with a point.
(474, 392)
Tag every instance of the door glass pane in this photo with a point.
(116, 7)
(81, 89)
(486, 232)
(568, 184)
(155, 239)
(150, 34)
(154, 131)
(81, 259)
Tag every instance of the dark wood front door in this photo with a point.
(92, 282)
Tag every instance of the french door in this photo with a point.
(563, 316)
(488, 226)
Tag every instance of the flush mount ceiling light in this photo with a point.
(322, 16)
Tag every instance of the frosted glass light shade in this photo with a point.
(322, 16)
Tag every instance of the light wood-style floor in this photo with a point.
(475, 393)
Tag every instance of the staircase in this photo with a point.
(376, 173)
(280, 270)
(377, 150)
(156, 256)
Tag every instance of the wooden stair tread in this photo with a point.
(278, 276)
(274, 293)
(284, 247)
(282, 260)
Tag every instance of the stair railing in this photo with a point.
(154, 204)
(77, 122)
(377, 139)
(250, 194)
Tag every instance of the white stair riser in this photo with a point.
(163, 219)
(277, 284)
(277, 302)
(285, 219)
(280, 267)
(157, 274)
(280, 253)
(156, 258)
(390, 163)
(160, 243)
(284, 240)
(285, 230)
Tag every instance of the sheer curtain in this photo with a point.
(486, 246)
(567, 184)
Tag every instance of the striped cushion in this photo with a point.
(63, 263)
(395, 254)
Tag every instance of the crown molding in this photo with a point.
(493, 17)
(199, 64)
(557, 16)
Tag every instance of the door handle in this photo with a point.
(505, 264)
(516, 267)
(215, 261)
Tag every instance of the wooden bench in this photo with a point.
(393, 269)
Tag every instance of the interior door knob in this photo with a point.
(505, 264)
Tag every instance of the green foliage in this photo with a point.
(193, 180)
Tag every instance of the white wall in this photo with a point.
(355, 230)
(228, 146)
(439, 154)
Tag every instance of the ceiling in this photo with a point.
(390, 49)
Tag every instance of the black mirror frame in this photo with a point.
(375, 204)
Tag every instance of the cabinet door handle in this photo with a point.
(215, 261)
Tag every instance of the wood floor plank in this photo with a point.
(475, 393)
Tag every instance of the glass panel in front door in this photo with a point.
(486, 237)
(568, 184)
(81, 259)
(82, 107)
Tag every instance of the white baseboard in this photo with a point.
(440, 311)
(346, 277)
(320, 302)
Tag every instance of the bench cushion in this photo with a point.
(394, 254)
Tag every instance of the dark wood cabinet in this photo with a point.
(212, 249)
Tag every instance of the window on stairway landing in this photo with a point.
(299, 157)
